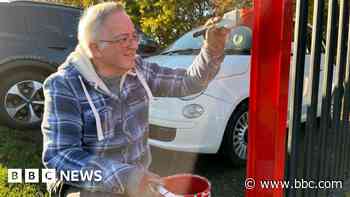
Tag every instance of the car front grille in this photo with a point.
(160, 133)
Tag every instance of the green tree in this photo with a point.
(166, 20)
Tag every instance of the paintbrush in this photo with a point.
(229, 21)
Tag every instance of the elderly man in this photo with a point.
(96, 105)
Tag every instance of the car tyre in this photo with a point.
(21, 98)
(235, 140)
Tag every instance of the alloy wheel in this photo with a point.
(24, 101)
(240, 136)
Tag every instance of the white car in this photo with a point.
(217, 118)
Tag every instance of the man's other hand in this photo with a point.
(215, 37)
(149, 185)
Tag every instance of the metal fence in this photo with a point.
(319, 148)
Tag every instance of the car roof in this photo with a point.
(38, 3)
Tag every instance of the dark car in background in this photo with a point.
(35, 38)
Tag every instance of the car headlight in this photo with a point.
(192, 111)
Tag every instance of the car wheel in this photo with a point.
(22, 99)
(236, 136)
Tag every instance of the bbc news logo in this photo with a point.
(51, 175)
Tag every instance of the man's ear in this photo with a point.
(95, 50)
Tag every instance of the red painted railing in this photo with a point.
(268, 95)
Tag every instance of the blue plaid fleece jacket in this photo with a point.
(87, 128)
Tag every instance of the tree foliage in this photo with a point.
(166, 20)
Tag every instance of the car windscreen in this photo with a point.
(239, 41)
(185, 42)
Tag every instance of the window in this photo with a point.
(71, 21)
(45, 21)
(187, 41)
(239, 42)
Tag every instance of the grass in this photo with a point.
(20, 149)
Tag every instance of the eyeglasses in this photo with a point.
(124, 39)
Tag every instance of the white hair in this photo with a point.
(91, 22)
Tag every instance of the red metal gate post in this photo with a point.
(268, 95)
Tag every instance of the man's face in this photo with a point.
(120, 41)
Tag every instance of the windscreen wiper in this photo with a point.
(180, 51)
